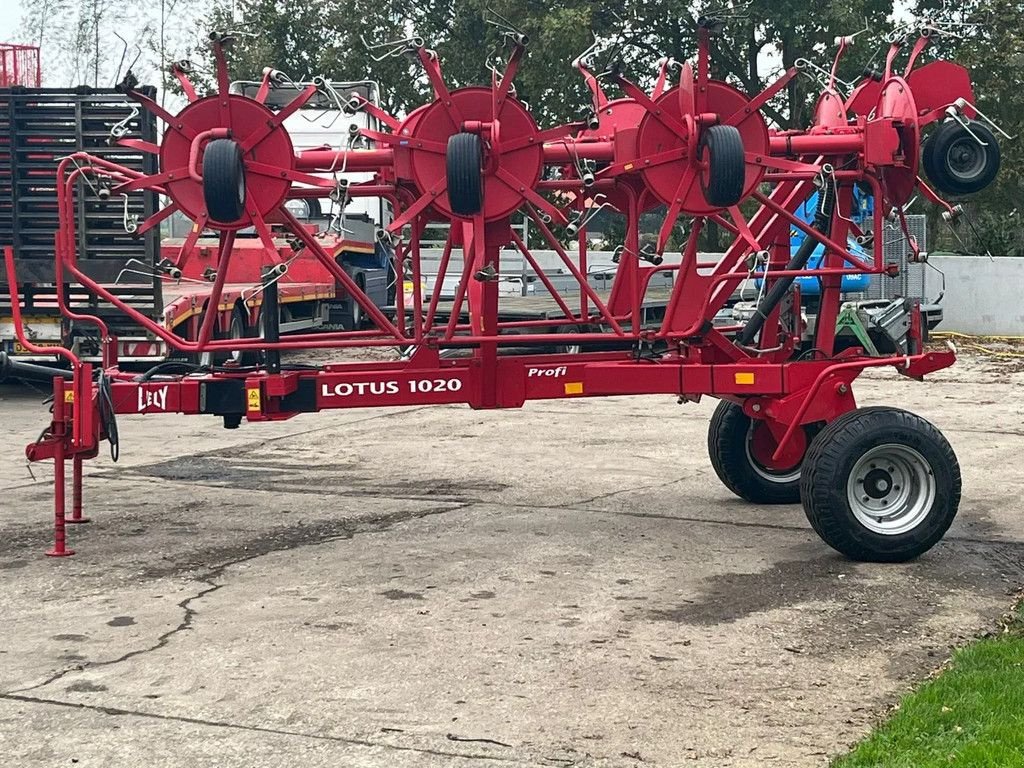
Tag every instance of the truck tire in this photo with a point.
(721, 146)
(464, 162)
(880, 485)
(354, 317)
(733, 439)
(208, 359)
(954, 161)
(239, 329)
(572, 348)
(224, 181)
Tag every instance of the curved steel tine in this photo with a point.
(128, 270)
(124, 52)
(848, 39)
(955, 114)
(120, 129)
(962, 103)
(394, 47)
(584, 59)
(819, 72)
(130, 220)
(502, 23)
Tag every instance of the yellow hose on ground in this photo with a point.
(972, 344)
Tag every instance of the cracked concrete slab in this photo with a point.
(563, 585)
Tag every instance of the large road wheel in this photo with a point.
(881, 485)
(741, 447)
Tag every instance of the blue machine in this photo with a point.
(863, 208)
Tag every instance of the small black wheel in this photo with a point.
(224, 180)
(740, 448)
(954, 160)
(722, 181)
(881, 485)
(464, 162)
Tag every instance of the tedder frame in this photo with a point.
(876, 483)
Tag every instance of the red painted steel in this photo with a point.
(20, 65)
(637, 152)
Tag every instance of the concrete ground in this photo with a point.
(566, 585)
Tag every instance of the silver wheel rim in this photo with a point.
(781, 477)
(891, 489)
(965, 158)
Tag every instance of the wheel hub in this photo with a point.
(965, 158)
(878, 484)
(891, 489)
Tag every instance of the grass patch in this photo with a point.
(972, 714)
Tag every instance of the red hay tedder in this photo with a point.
(876, 483)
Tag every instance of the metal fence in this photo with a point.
(910, 280)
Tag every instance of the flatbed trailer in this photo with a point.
(309, 297)
(39, 127)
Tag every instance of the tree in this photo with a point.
(993, 51)
(92, 42)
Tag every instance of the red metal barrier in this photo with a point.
(19, 65)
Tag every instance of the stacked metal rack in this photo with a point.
(38, 126)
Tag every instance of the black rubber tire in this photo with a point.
(569, 349)
(949, 145)
(224, 180)
(464, 163)
(727, 168)
(208, 359)
(832, 457)
(353, 320)
(728, 435)
(239, 329)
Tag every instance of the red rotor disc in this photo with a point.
(654, 137)
(829, 111)
(619, 120)
(264, 193)
(516, 124)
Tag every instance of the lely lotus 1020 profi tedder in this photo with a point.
(876, 483)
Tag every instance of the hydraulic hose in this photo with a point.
(14, 369)
(822, 223)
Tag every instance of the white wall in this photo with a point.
(983, 296)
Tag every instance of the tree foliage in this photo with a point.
(991, 46)
(93, 42)
(305, 39)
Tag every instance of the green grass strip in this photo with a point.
(972, 714)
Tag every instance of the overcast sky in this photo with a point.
(10, 18)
